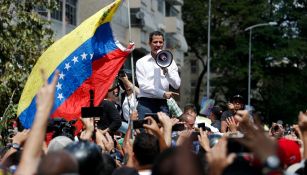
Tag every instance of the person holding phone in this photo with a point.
(236, 103)
(154, 81)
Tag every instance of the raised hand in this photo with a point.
(45, 96)
(203, 140)
(108, 142)
(218, 159)
(89, 128)
(255, 136)
(232, 124)
(167, 127)
(32, 150)
(152, 127)
(302, 121)
(21, 137)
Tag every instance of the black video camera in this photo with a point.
(61, 127)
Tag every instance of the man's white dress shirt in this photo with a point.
(152, 82)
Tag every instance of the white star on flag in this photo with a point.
(75, 59)
(59, 86)
(60, 96)
(84, 56)
(92, 55)
(61, 76)
(67, 66)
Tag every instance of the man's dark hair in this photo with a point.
(146, 148)
(217, 111)
(169, 162)
(155, 33)
(57, 162)
(107, 165)
(189, 107)
(88, 156)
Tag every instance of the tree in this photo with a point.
(24, 35)
(275, 83)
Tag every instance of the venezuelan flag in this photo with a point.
(87, 58)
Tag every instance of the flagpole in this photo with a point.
(132, 66)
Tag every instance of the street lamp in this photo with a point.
(250, 54)
(208, 49)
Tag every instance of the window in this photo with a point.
(41, 10)
(71, 11)
(161, 6)
(170, 10)
(144, 37)
(193, 86)
(57, 14)
(193, 66)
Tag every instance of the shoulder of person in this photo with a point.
(106, 103)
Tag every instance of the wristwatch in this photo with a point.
(272, 163)
(112, 151)
(16, 146)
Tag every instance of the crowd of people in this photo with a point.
(142, 131)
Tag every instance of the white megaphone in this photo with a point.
(164, 58)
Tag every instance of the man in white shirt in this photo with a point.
(154, 81)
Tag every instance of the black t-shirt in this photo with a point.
(226, 114)
(110, 117)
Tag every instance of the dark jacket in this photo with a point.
(110, 117)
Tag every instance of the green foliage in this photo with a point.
(279, 53)
(24, 35)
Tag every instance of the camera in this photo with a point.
(61, 127)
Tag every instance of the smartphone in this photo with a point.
(194, 136)
(137, 124)
(214, 139)
(178, 127)
(89, 112)
(203, 126)
(154, 116)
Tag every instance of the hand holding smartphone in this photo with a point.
(178, 127)
(137, 124)
(153, 115)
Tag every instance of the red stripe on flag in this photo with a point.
(105, 70)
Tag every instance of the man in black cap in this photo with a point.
(236, 103)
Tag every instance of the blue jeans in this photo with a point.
(151, 105)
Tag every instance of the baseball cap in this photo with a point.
(237, 97)
(288, 151)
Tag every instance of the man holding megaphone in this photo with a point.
(155, 72)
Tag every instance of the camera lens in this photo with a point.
(276, 128)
